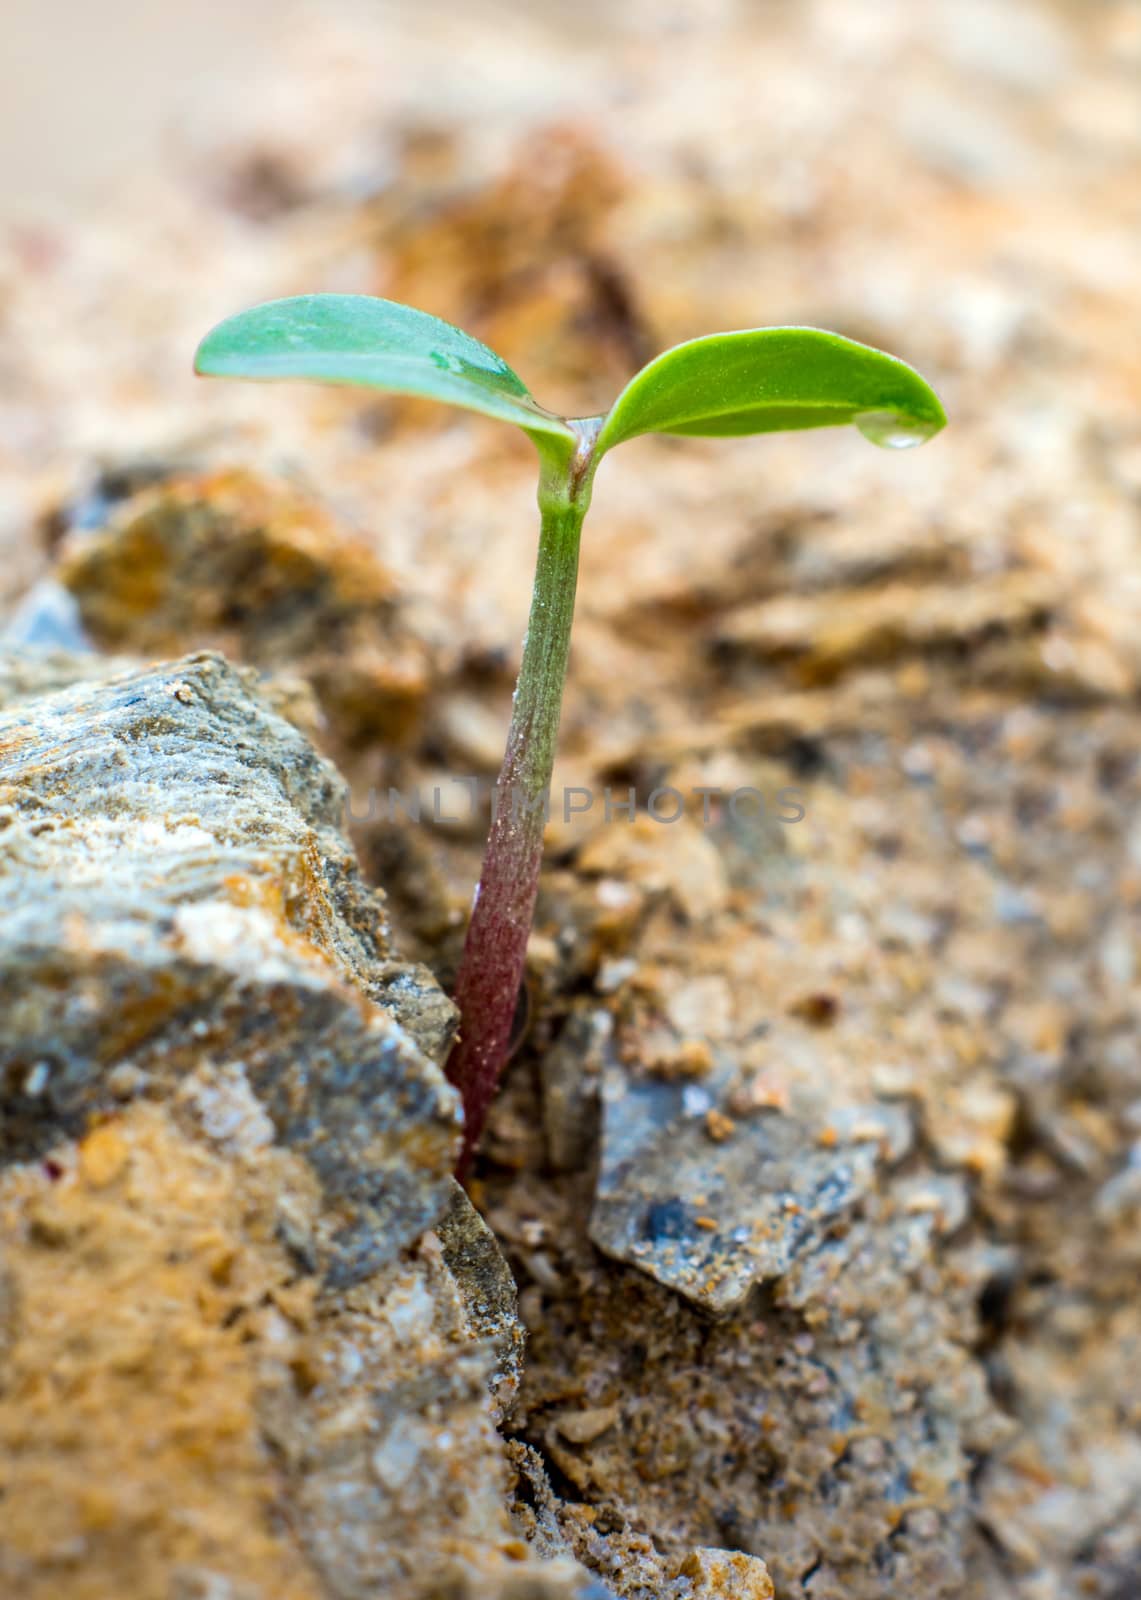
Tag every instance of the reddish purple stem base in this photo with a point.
(495, 951)
(494, 958)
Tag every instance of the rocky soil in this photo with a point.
(817, 1164)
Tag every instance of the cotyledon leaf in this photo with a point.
(766, 380)
(379, 344)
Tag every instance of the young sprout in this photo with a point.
(760, 381)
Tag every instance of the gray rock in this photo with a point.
(178, 903)
(712, 1218)
(224, 1142)
(488, 1289)
(46, 619)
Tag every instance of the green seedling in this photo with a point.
(760, 381)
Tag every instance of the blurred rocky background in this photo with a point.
(817, 1171)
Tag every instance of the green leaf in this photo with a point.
(356, 339)
(769, 379)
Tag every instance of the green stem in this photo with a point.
(495, 950)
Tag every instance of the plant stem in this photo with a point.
(495, 950)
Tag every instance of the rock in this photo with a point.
(28, 671)
(843, 1413)
(711, 1206)
(184, 1410)
(144, 1271)
(485, 1280)
(1020, 46)
(726, 1575)
(473, 734)
(181, 915)
(47, 618)
(674, 858)
(235, 1360)
(262, 571)
(836, 631)
(570, 1072)
(583, 1427)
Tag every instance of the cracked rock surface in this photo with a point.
(235, 1358)
(181, 916)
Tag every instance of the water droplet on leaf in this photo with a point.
(892, 432)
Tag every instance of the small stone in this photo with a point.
(694, 1058)
(195, 925)
(473, 733)
(702, 1006)
(820, 1010)
(893, 1081)
(103, 1157)
(583, 1427)
(695, 1102)
(164, 569)
(613, 974)
(675, 859)
(726, 1575)
(759, 1093)
(394, 1461)
(718, 1126)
